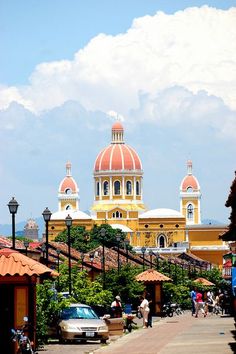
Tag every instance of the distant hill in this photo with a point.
(6, 229)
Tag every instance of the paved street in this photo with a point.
(177, 335)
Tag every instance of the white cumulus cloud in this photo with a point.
(194, 49)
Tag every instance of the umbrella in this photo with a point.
(203, 281)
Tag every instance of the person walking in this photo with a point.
(144, 309)
(116, 307)
(193, 294)
(199, 304)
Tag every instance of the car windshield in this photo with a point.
(78, 313)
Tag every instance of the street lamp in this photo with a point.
(82, 260)
(58, 264)
(26, 244)
(68, 221)
(143, 250)
(91, 257)
(151, 254)
(13, 206)
(47, 216)
(118, 238)
(43, 248)
(157, 255)
(127, 249)
(103, 234)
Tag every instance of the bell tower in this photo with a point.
(68, 193)
(190, 197)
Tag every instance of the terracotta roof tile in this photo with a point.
(203, 281)
(13, 262)
(152, 276)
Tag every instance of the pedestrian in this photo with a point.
(200, 304)
(144, 309)
(193, 300)
(149, 299)
(116, 307)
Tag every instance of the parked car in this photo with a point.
(80, 322)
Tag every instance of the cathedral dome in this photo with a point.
(68, 184)
(189, 182)
(117, 156)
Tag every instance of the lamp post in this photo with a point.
(43, 248)
(151, 254)
(91, 257)
(103, 233)
(118, 238)
(127, 249)
(58, 265)
(47, 216)
(26, 244)
(157, 255)
(143, 250)
(68, 221)
(13, 206)
(82, 260)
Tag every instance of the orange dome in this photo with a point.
(189, 181)
(68, 184)
(118, 155)
(117, 126)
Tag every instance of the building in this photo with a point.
(118, 201)
(31, 230)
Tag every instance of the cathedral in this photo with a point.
(118, 201)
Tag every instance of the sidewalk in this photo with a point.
(178, 335)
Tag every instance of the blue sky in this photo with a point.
(167, 68)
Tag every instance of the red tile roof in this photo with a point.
(152, 276)
(203, 281)
(13, 262)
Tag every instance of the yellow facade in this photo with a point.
(165, 231)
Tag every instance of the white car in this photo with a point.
(80, 322)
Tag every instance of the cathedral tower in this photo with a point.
(190, 197)
(68, 193)
(118, 178)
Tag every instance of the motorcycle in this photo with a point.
(129, 323)
(23, 341)
(167, 310)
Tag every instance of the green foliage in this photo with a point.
(79, 238)
(109, 240)
(84, 241)
(177, 293)
(125, 283)
(47, 308)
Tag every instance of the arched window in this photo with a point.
(68, 207)
(189, 190)
(161, 241)
(137, 188)
(98, 188)
(128, 188)
(190, 212)
(105, 188)
(117, 215)
(117, 188)
(68, 191)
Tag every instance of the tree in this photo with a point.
(124, 284)
(79, 238)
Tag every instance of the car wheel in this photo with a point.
(103, 341)
(61, 340)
